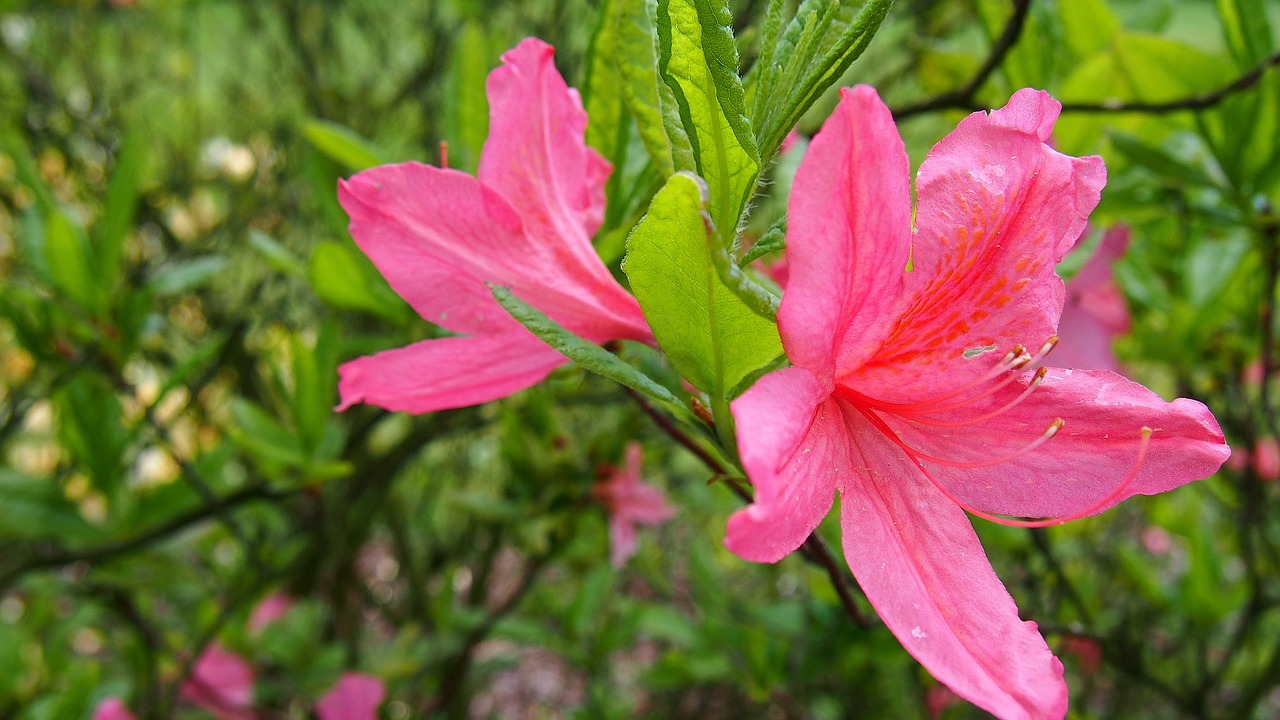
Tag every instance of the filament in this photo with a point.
(916, 458)
(1049, 432)
(444, 154)
(1035, 383)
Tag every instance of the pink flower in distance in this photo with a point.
(630, 501)
(356, 696)
(1095, 311)
(221, 682)
(268, 610)
(526, 222)
(113, 708)
(910, 395)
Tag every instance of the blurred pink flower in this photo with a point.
(221, 682)
(1266, 458)
(1095, 311)
(268, 610)
(630, 501)
(356, 696)
(439, 235)
(112, 708)
(910, 395)
(1087, 649)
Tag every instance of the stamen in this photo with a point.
(1048, 522)
(1049, 432)
(1031, 386)
(1016, 357)
(444, 154)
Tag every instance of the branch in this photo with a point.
(60, 556)
(1194, 102)
(962, 97)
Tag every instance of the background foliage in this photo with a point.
(179, 288)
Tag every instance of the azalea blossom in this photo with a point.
(221, 682)
(630, 501)
(268, 610)
(356, 696)
(915, 394)
(1095, 311)
(112, 708)
(439, 235)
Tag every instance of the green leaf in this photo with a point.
(698, 61)
(342, 145)
(1088, 25)
(263, 436)
(773, 241)
(186, 276)
(586, 354)
(345, 279)
(1247, 30)
(710, 335)
(604, 104)
(819, 44)
(466, 114)
(649, 99)
(276, 254)
(36, 508)
(91, 427)
(1160, 161)
(70, 260)
(120, 207)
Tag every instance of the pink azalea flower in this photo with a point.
(113, 708)
(439, 235)
(221, 682)
(356, 696)
(268, 610)
(630, 501)
(893, 403)
(1095, 311)
(1266, 458)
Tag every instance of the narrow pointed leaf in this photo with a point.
(698, 61)
(648, 98)
(583, 352)
(121, 206)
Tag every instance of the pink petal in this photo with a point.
(356, 696)
(1087, 459)
(848, 239)
(920, 564)
(622, 540)
(1095, 310)
(448, 372)
(794, 446)
(268, 610)
(439, 236)
(998, 208)
(537, 156)
(112, 708)
(630, 501)
(221, 682)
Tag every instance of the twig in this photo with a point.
(60, 557)
(1194, 102)
(962, 97)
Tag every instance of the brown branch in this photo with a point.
(1194, 102)
(962, 97)
(59, 557)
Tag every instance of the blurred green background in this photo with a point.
(178, 288)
